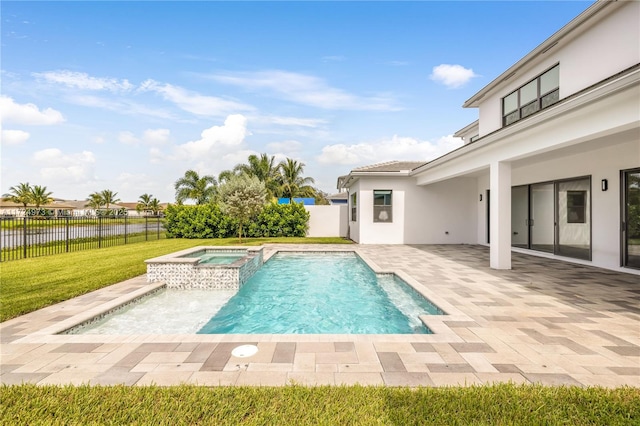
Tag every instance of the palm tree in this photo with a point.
(40, 196)
(193, 187)
(144, 202)
(94, 201)
(293, 184)
(109, 197)
(155, 206)
(265, 169)
(147, 203)
(20, 194)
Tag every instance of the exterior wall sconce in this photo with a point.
(604, 184)
(480, 197)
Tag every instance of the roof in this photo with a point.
(339, 196)
(391, 166)
(535, 54)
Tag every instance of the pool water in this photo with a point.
(321, 293)
(290, 294)
(213, 258)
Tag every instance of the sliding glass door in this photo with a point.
(631, 218)
(520, 216)
(553, 217)
(542, 217)
(574, 218)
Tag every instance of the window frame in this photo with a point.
(386, 207)
(531, 106)
(354, 207)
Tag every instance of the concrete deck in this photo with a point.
(544, 321)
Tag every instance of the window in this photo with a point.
(354, 208)
(382, 207)
(474, 138)
(576, 206)
(537, 94)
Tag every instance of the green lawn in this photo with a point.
(339, 405)
(33, 283)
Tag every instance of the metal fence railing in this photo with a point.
(33, 236)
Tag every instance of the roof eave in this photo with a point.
(575, 23)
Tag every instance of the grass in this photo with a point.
(503, 404)
(33, 283)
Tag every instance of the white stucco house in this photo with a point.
(548, 168)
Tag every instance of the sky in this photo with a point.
(128, 96)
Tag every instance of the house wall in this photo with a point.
(371, 232)
(421, 215)
(609, 46)
(434, 216)
(605, 162)
(327, 221)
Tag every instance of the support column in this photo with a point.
(500, 221)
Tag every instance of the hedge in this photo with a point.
(208, 221)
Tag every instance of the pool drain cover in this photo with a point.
(244, 351)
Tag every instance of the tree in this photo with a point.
(147, 203)
(265, 169)
(20, 194)
(109, 197)
(293, 184)
(242, 197)
(193, 187)
(94, 201)
(40, 196)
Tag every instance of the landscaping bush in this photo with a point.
(200, 221)
(208, 221)
(280, 220)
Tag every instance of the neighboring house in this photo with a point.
(549, 167)
(339, 199)
(57, 208)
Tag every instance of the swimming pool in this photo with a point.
(217, 257)
(292, 293)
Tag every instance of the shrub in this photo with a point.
(208, 221)
(200, 221)
(281, 220)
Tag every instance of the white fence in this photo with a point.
(328, 221)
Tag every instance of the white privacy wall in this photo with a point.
(327, 221)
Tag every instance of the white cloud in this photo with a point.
(156, 136)
(58, 167)
(216, 141)
(396, 148)
(284, 146)
(83, 81)
(128, 138)
(452, 76)
(209, 106)
(14, 137)
(149, 137)
(305, 89)
(27, 114)
(122, 106)
(296, 121)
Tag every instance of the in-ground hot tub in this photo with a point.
(205, 267)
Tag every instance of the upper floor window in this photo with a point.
(354, 208)
(382, 207)
(537, 94)
(474, 138)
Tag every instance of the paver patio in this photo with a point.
(544, 321)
